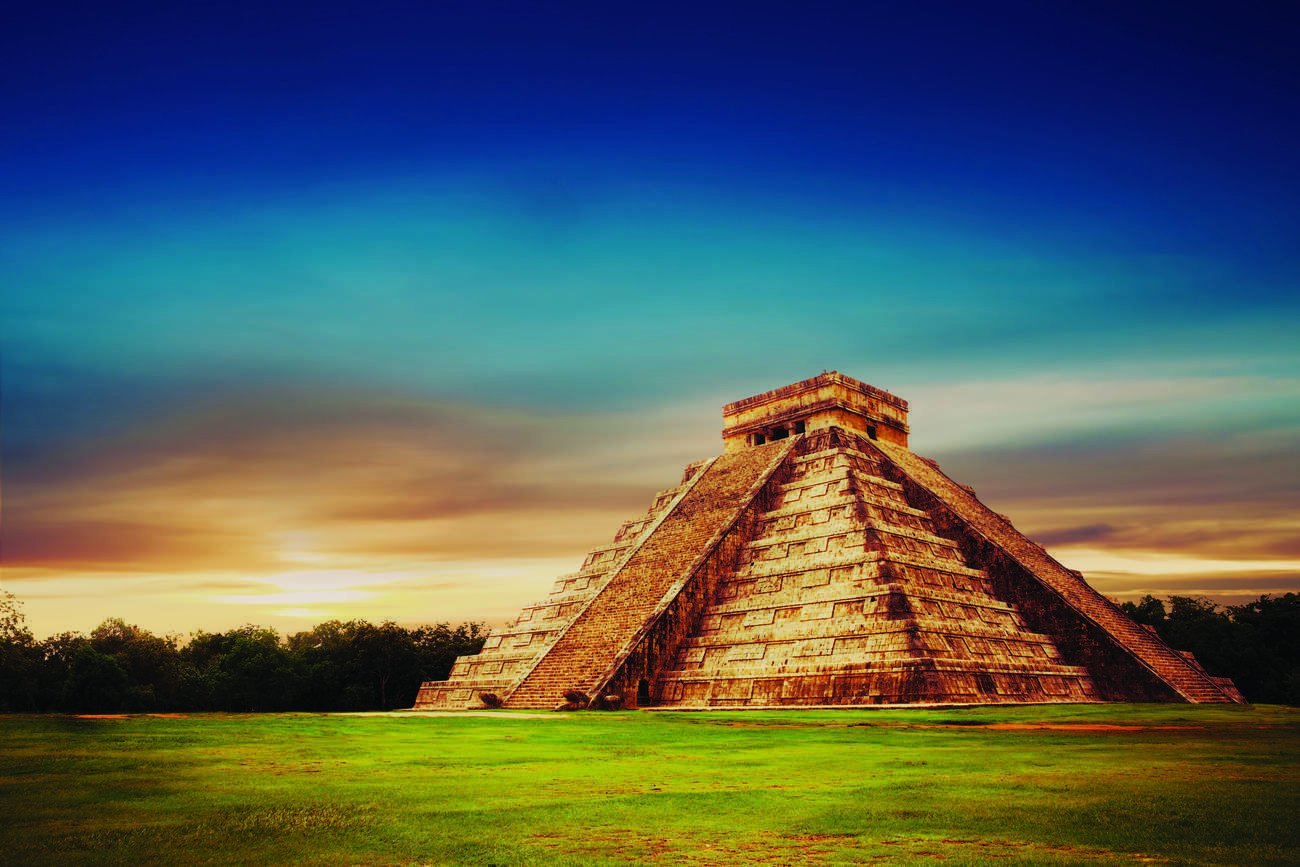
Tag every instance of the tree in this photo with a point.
(151, 663)
(325, 661)
(96, 684)
(1268, 636)
(383, 650)
(356, 665)
(260, 670)
(58, 653)
(13, 622)
(337, 665)
(1149, 611)
(203, 685)
(20, 657)
(1198, 625)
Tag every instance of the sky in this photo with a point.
(393, 310)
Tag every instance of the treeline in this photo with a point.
(356, 665)
(1256, 644)
(120, 668)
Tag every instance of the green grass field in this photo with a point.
(1178, 784)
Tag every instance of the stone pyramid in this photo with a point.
(819, 562)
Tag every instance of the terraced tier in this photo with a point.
(846, 595)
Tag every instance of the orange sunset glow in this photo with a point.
(291, 509)
(395, 314)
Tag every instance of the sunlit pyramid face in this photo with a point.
(819, 562)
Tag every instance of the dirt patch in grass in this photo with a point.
(1060, 727)
(127, 715)
(767, 848)
(1085, 727)
(633, 846)
(948, 847)
(1064, 727)
(745, 725)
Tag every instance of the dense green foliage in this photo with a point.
(360, 666)
(1256, 644)
(1048, 784)
(118, 667)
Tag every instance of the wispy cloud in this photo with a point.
(1229, 589)
(1044, 407)
(1155, 563)
(1224, 488)
(331, 500)
(250, 502)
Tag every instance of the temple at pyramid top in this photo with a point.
(830, 399)
(818, 562)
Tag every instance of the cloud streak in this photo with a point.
(327, 499)
(332, 499)
(450, 303)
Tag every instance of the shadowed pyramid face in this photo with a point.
(819, 562)
(828, 400)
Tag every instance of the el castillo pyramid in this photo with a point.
(819, 562)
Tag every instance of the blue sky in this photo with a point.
(427, 297)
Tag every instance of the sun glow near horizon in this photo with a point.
(399, 320)
(466, 516)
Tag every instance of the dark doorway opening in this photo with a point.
(779, 433)
(643, 693)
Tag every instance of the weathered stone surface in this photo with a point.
(819, 562)
(577, 698)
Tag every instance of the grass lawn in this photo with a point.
(1171, 784)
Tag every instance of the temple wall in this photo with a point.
(825, 401)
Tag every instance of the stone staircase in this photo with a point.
(845, 595)
(593, 640)
(514, 648)
(1180, 674)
